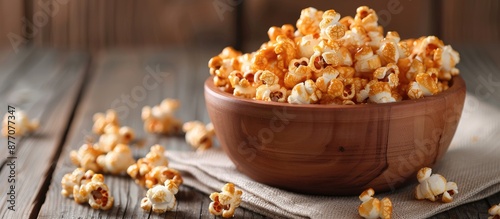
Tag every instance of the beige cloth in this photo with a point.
(473, 162)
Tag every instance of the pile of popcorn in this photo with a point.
(334, 60)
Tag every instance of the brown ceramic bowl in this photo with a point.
(334, 149)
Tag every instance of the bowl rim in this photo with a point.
(458, 84)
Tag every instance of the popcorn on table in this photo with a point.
(86, 157)
(434, 186)
(95, 192)
(161, 198)
(101, 120)
(373, 208)
(494, 211)
(225, 202)
(77, 178)
(22, 124)
(199, 135)
(116, 161)
(160, 119)
(324, 40)
(139, 170)
(114, 135)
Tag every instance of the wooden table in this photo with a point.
(64, 89)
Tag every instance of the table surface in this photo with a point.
(65, 88)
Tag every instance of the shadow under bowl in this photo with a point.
(335, 149)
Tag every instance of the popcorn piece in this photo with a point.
(298, 71)
(270, 90)
(222, 65)
(101, 121)
(434, 187)
(327, 75)
(160, 119)
(391, 50)
(77, 178)
(225, 202)
(305, 93)
(95, 192)
(330, 27)
(446, 58)
(381, 92)
(374, 208)
(116, 161)
(425, 84)
(86, 157)
(19, 122)
(242, 86)
(285, 50)
(286, 30)
(389, 74)
(494, 211)
(266, 59)
(114, 135)
(332, 54)
(354, 38)
(160, 174)
(198, 135)
(367, 19)
(161, 198)
(155, 157)
(306, 45)
(366, 61)
(309, 20)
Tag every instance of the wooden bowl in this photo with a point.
(335, 149)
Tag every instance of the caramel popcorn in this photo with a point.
(155, 157)
(331, 59)
(160, 119)
(77, 178)
(95, 192)
(161, 198)
(102, 120)
(373, 208)
(86, 157)
(160, 174)
(434, 187)
(225, 202)
(20, 123)
(199, 135)
(494, 211)
(270, 90)
(116, 161)
(114, 135)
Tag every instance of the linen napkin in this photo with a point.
(472, 161)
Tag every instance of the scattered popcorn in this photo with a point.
(155, 157)
(373, 208)
(19, 122)
(199, 135)
(225, 202)
(160, 119)
(434, 187)
(102, 120)
(114, 135)
(86, 157)
(77, 178)
(324, 42)
(116, 161)
(95, 192)
(494, 211)
(161, 198)
(160, 174)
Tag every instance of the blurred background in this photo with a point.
(94, 25)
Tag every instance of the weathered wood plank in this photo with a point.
(49, 91)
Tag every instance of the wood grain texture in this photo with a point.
(11, 25)
(47, 89)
